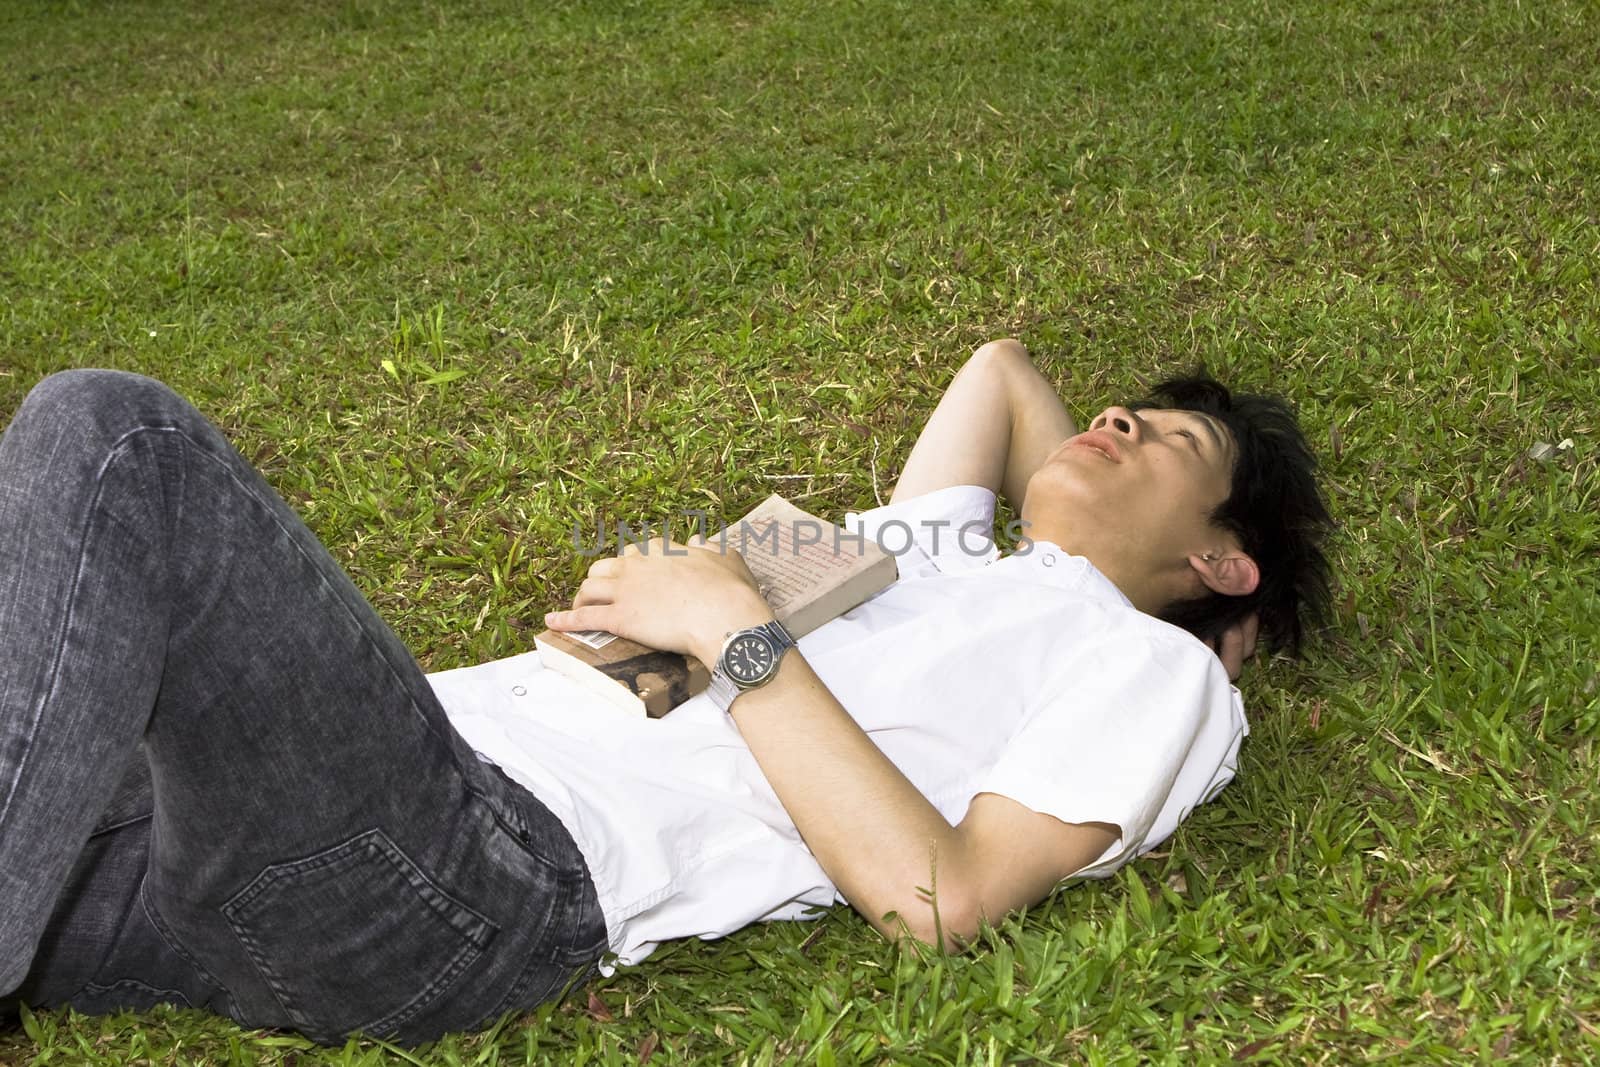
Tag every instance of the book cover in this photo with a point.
(809, 570)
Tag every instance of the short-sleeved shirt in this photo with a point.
(1025, 674)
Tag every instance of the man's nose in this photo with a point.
(1118, 420)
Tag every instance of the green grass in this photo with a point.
(457, 276)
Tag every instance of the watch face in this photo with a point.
(748, 659)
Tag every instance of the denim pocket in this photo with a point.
(356, 937)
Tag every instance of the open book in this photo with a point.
(809, 570)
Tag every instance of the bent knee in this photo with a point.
(95, 397)
(92, 389)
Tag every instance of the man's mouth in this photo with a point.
(1101, 442)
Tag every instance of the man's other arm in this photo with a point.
(994, 426)
(885, 846)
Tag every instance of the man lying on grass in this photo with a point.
(224, 783)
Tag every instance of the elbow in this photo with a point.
(947, 921)
(1005, 361)
(1002, 349)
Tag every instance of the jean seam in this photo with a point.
(163, 994)
(166, 934)
(520, 828)
(117, 449)
(538, 960)
(289, 535)
(124, 824)
(513, 823)
(415, 877)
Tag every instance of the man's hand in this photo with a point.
(669, 596)
(1237, 644)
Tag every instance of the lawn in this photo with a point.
(459, 275)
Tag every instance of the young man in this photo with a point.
(310, 833)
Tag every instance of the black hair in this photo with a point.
(1274, 508)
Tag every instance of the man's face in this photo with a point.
(1134, 493)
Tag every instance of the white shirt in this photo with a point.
(1027, 675)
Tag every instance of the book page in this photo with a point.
(596, 639)
(788, 573)
(797, 557)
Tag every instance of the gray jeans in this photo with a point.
(224, 782)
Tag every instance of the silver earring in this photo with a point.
(1209, 557)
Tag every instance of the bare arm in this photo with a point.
(994, 426)
(877, 837)
(881, 841)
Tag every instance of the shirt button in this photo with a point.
(518, 690)
(1048, 559)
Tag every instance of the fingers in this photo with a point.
(595, 591)
(651, 546)
(592, 617)
(1232, 654)
(1236, 644)
(718, 542)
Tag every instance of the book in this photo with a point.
(808, 569)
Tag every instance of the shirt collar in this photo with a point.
(1048, 562)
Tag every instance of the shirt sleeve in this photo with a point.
(1143, 728)
(942, 531)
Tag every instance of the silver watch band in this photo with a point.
(722, 690)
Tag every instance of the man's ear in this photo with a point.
(1231, 573)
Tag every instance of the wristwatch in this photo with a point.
(749, 660)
